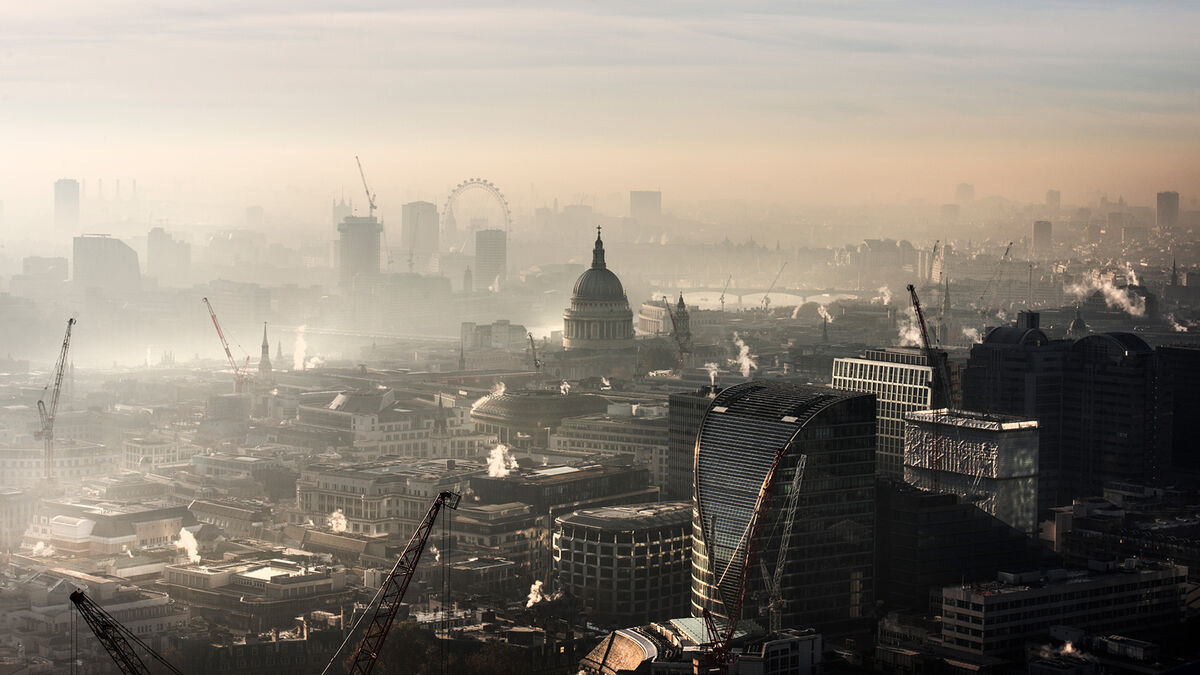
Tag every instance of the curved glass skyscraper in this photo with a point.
(826, 567)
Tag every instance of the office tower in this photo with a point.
(105, 264)
(419, 231)
(987, 459)
(827, 563)
(964, 194)
(66, 205)
(685, 412)
(358, 250)
(167, 260)
(901, 379)
(1179, 366)
(1018, 370)
(1043, 238)
(1053, 200)
(1115, 427)
(645, 205)
(491, 259)
(641, 571)
(1168, 210)
(341, 210)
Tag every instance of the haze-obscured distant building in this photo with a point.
(105, 264)
(645, 205)
(990, 461)
(1168, 210)
(1043, 238)
(168, 260)
(358, 249)
(964, 194)
(1053, 200)
(419, 234)
(491, 259)
(66, 205)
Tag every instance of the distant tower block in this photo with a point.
(66, 205)
(1053, 200)
(491, 259)
(1168, 210)
(1043, 238)
(358, 251)
(645, 205)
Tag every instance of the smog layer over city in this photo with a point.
(599, 338)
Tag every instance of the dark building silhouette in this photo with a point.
(1113, 428)
(1168, 210)
(66, 205)
(1018, 370)
(685, 412)
(828, 560)
(103, 263)
(358, 249)
(1043, 237)
(1179, 366)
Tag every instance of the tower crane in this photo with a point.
(995, 278)
(537, 363)
(681, 340)
(766, 300)
(941, 376)
(47, 414)
(391, 594)
(240, 378)
(117, 639)
(371, 213)
(722, 299)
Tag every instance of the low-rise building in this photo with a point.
(640, 431)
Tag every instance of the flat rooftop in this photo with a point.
(635, 516)
(972, 420)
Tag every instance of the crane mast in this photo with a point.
(116, 638)
(391, 593)
(537, 363)
(722, 299)
(239, 372)
(941, 382)
(766, 300)
(47, 415)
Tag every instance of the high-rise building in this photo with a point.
(645, 205)
(1053, 200)
(66, 205)
(988, 460)
(1018, 370)
(419, 232)
(1115, 421)
(1043, 237)
(901, 379)
(358, 250)
(759, 443)
(1179, 366)
(341, 210)
(168, 260)
(103, 263)
(964, 194)
(685, 412)
(491, 259)
(1168, 210)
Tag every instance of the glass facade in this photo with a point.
(827, 565)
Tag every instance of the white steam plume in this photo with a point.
(712, 369)
(299, 347)
(497, 390)
(824, 313)
(499, 462)
(1179, 328)
(744, 361)
(604, 383)
(564, 388)
(437, 555)
(796, 311)
(1117, 298)
(884, 297)
(972, 334)
(336, 521)
(187, 542)
(41, 550)
(536, 595)
(908, 329)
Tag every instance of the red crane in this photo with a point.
(391, 593)
(240, 378)
(116, 638)
(47, 415)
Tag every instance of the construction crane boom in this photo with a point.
(995, 278)
(48, 414)
(537, 363)
(391, 593)
(239, 372)
(116, 638)
(941, 382)
(370, 196)
(723, 292)
(766, 300)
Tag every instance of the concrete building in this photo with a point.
(147, 453)
(491, 260)
(626, 565)
(88, 527)
(384, 423)
(685, 413)
(525, 419)
(1168, 210)
(902, 381)
(1043, 238)
(987, 460)
(640, 431)
(103, 264)
(16, 512)
(66, 205)
(645, 206)
(828, 560)
(21, 464)
(358, 249)
(999, 618)
(419, 235)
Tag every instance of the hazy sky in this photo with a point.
(814, 102)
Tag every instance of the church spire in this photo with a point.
(264, 362)
(598, 252)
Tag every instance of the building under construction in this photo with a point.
(803, 458)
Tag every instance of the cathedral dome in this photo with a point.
(598, 283)
(599, 317)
